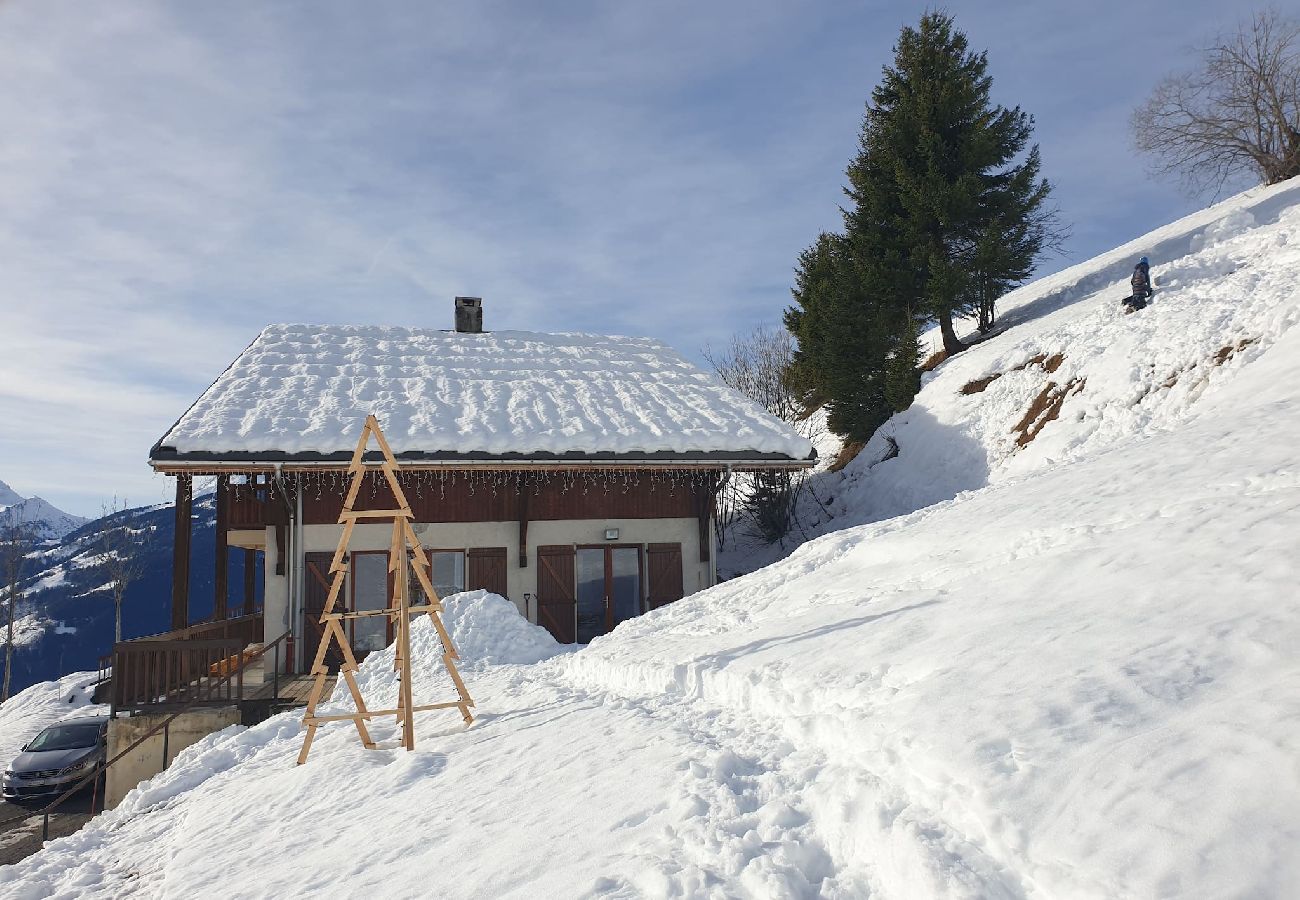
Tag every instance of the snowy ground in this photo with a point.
(1064, 670)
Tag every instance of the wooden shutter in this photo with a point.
(556, 595)
(486, 569)
(316, 590)
(664, 562)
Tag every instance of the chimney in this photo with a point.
(469, 315)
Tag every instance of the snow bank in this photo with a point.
(309, 387)
(487, 629)
(27, 712)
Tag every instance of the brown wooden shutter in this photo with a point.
(486, 570)
(556, 594)
(316, 590)
(664, 562)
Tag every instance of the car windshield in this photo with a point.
(65, 737)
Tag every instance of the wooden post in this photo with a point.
(181, 554)
(523, 527)
(221, 577)
(704, 513)
(250, 581)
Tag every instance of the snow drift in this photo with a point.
(1057, 659)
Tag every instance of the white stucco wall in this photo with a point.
(696, 575)
(275, 598)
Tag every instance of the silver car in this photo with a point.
(57, 758)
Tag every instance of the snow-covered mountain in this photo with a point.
(1048, 649)
(64, 621)
(54, 522)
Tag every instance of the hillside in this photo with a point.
(64, 622)
(1065, 353)
(1063, 666)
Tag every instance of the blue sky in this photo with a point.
(174, 176)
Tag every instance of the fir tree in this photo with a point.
(942, 221)
(902, 369)
(972, 220)
(844, 340)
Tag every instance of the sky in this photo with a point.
(175, 176)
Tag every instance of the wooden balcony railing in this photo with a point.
(183, 667)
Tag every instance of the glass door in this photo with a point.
(608, 588)
(369, 591)
(590, 566)
(624, 583)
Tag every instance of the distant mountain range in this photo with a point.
(54, 522)
(64, 621)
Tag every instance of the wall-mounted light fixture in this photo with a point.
(611, 534)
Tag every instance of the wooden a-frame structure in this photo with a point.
(399, 610)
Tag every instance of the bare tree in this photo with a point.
(18, 540)
(119, 550)
(1236, 113)
(755, 364)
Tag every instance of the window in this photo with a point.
(446, 572)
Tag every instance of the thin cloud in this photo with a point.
(176, 176)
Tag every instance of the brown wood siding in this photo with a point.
(463, 499)
(664, 562)
(556, 592)
(485, 568)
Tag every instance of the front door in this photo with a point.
(316, 592)
(608, 588)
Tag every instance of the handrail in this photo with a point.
(103, 766)
(182, 634)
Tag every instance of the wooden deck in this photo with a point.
(292, 689)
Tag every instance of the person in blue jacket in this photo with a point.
(1141, 282)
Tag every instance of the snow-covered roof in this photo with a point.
(303, 392)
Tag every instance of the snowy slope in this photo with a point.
(54, 521)
(1225, 293)
(1074, 674)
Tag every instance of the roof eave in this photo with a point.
(169, 461)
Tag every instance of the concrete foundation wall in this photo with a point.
(147, 759)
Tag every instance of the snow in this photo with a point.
(1063, 670)
(487, 630)
(49, 579)
(303, 388)
(28, 629)
(54, 522)
(24, 714)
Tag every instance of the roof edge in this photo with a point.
(165, 459)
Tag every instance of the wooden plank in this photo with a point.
(336, 561)
(221, 563)
(345, 717)
(353, 514)
(181, 553)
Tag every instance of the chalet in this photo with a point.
(574, 474)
